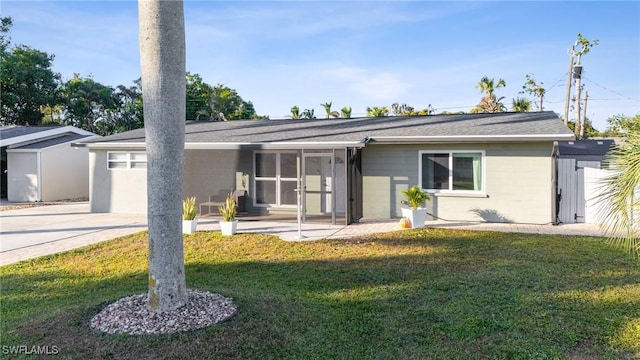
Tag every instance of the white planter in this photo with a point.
(228, 227)
(189, 226)
(417, 217)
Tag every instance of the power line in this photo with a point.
(611, 91)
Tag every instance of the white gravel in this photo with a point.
(131, 315)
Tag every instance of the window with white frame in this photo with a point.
(459, 171)
(275, 178)
(126, 160)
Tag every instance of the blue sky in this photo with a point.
(359, 54)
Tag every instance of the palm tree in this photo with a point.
(521, 105)
(308, 114)
(489, 103)
(327, 108)
(295, 112)
(621, 199)
(162, 56)
(488, 86)
(377, 111)
(345, 112)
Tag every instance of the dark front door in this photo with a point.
(354, 178)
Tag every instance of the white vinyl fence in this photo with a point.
(571, 187)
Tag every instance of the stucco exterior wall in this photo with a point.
(65, 172)
(519, 183)
(22, 176)
(208, 172)
(116, 190)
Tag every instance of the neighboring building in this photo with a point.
(478, 167)
(41, 165)
(576, 192)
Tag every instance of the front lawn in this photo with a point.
(414, 294)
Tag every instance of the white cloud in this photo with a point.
(373, 84)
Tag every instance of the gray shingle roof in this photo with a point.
(355, 130)
(7, 132)
(585, 147)
(64, 138)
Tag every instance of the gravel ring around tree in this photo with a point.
(131, 315)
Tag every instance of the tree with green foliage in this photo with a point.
(401, 110)
(521, 105)
(295, 112)
(5, 28)
(199, 94)
(345, 112)
(89, 105)
(327, 109)
(28, 83)
(589, 130)
(226, 104)
(406, 110)
(377, 111)
(308, 114)
(620, 125)
(131, 112)
(622, 196)
(162, 56)
(489, 103)
(215, 103)
(531, 87)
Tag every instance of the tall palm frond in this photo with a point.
(295, 112)
(620, 200)
(345, 112)
(327, 109)
(521, 105)
(488, 85)
(377, 111)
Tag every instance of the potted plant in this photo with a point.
(189, 221)
(228, 224)
(417, 214)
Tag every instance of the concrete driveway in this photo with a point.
(35, 231)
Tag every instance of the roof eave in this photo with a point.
(471, 138)
(229, 146)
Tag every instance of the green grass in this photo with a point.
(414, 294)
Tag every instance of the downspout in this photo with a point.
(555, 197)
(39, 174)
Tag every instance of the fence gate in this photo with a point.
(571, 189)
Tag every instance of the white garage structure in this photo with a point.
(41, 165)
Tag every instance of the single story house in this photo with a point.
(477, 167)
(573, 159)
(39, 164)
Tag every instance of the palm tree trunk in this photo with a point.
(162, 57)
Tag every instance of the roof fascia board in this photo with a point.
(40, 135)
(276, 145)
(232, 146)
(472, 138)
(67, 143)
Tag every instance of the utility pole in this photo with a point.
(566, 103)
(575, 71)
(584, 115)
(577, 76)
(540, 105)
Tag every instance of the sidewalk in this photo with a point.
(42, 230)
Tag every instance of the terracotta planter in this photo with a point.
(417, 217)
(228, 227)
(189, 226)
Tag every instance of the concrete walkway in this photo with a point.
(42, 230)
